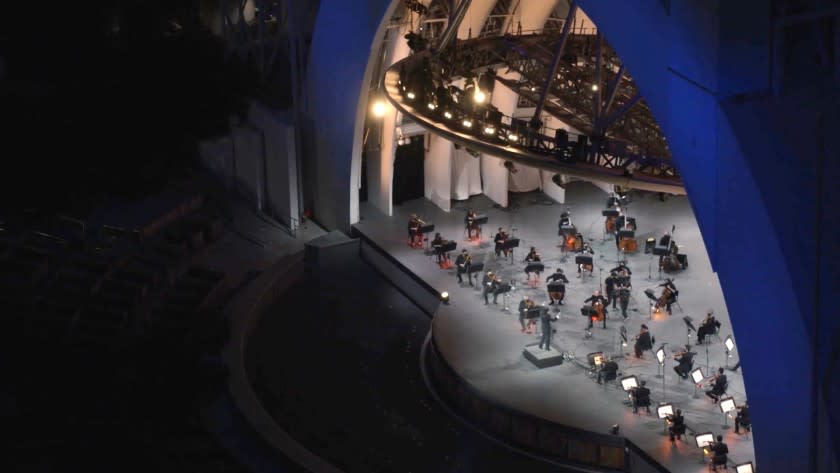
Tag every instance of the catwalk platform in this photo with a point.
(483, 344)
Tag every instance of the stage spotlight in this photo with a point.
(512, 137)
(467, 123)
(703, 440)
(479, 96)
(745, 468)
(629, 382)
(379, 108)
(431, 106)
(697, 375)
(533, 89)
(410, 95)
(729, 343)
(489, 130)
(665, 410)
(444, 296)
(660, 355)
(727, 404)
(594, 87)
(447, 115)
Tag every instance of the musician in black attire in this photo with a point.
(463, 264)
(585, 250)
(499, 239)
(547, 330)
(488, 285)
(524, 305)
(565, 218)
(685, 363)
(414, 224)
(677, 427)
(674, 292)
(641, 398)
(623, 291)
(469, 222)
(742, 419)
(719, 452)
(622, 266)
(533, 256)
(608, 371)
(497, 289)
(558, 276)
(609, 285)
(719, 386)
(708, 327)
(643, 341)
(597, 297)
(436, 244)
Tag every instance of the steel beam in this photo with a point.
(613, 89)
(596, 96)
(455, 20)
(620, 112)
(552, 70)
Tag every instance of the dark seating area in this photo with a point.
(113, 334)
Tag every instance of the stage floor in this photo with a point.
(484, 344)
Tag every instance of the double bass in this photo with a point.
(667, 293)
(609, 225)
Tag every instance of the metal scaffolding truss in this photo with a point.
(255, 30)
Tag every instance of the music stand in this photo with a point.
(510, 244)
(726, 404)
(690, 328)
(696, 376)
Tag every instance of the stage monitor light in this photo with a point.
(727, 404)
(697, 375)
(730, 343)
(444, 296)
(447, 115)
(467, 123)
(410, 95)
(703, 440)
(629, 382)
(660, 355)
(665, 410)
(745, 468)
(379, 108)
(479, 96)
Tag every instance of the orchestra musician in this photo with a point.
(546, 329)
(708, 327)
(497, 288)
(565, 218)
(644, 341)
(463, 263)
(685, 361)
(488, 285)
(415, 236)
(585, 250)
(622, 266)
(608, 371)
(609, 286)
(436, 244)
(599, 308)
(469, 221)
(719, 453)
(742, 419)
(533, 256)
(676, 429)
(641, 397)
(668, 296)
(718, 386)
(499, 239)
(524, 305)
(557, 296)
(623, 291)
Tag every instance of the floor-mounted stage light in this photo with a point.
(665, 410)
(745, 468)
(444, 297)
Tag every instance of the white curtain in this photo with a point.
(495, 179)
(437, 169)
(466, 174)
(525, 179)
(551, 189)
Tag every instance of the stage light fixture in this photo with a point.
(629, 382)
(533, 89)
(665, 410)
(489, 130)
(697, 375)
(467, 123)
(594, 87)
(410, 95)
(512, 137)
(745, 468)
(660, 355)
(729, 343)
(431, 106)
(379, 108)
(444, 296)
(447, 115)
(479, 96)
(703, 440)
(727, 404)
